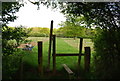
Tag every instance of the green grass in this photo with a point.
(31, 58)
(75, 43)
(61, 47)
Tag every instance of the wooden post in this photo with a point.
(80, 51)
(54, 54)
(40, 68)
(50, 42)
(87, 59)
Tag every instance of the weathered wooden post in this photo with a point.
(87, 59)
(80, 53)
(50, 42)
(54, 54)
(80, 50)
(40, 68)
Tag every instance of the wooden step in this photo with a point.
(69, 71)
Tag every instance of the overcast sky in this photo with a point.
(31, 17)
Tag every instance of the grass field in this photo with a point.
(64, 45)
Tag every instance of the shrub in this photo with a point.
(106, 59)
(27, 41)
(10, 65)
(13, 37)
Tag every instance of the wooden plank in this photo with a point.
(69, 71)
(40, 57)
(50, 44)
(54, 54)
(68, 54)
(87, 59)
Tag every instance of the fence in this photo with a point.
(86, 55)
(52, 39)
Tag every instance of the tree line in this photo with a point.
(64, 31)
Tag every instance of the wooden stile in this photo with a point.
(86, 56)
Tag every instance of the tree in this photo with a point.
(60, 32)
(45, 31)
(107, 45)
(72, 30)
(8, 12)
(39, 32)
(11, 38)
(99, 13)
(10, 35)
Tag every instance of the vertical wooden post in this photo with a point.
(40, 68)
(54, 54)
(50, 42)
(80, 51)
(87, 59)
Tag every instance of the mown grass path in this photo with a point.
(75, 43)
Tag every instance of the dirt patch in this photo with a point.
(34, 43)
(21, 46)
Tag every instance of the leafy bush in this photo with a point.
(38, 35)
(12, 43)
(107, 57)
(39, 32)
(13, 37)
(10, 65)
